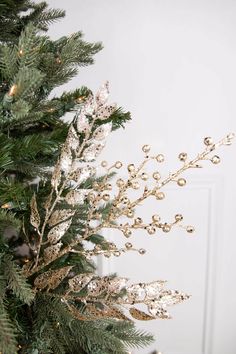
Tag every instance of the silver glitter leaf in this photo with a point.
(78, 282)
(116, 284)
(81, 174)
(34, 216)
(82, 122)
(153, 289)
(91, 152)
(135, 293)
(103, 94)
(158, 312)
(66, 158)
(104, 112)
(102, 132)
(75, 197)
(89, 106)
(72, 138)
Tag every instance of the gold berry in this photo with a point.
(160, 195)
(138, 221)
(116, 253)
(144, 176)
(120, 182)
(125, 200)
(118, 164)
(95, 185)
(183, 156)
(156, 176)
(135, 185)
(181, 182)
(146, 148)
(156, 218)
(127, 232)
(151, 230)
(178, 217)
(190, 229)
(215, 159)
(142, 251)
(160, 158)
(208, 141)
(131, 167)
(166, 228)
(104, 164)
(106, 197)
(128, 245)
(130, 213)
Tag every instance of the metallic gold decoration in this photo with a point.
(105, 296)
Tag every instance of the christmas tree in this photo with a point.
(55, 201)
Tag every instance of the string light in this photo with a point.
(13, 90)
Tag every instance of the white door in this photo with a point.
(172, 64)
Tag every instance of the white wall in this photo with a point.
(172, 64)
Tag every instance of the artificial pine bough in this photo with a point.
(55, 202)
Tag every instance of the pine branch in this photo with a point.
(118, 119)
(129, 335)
(8, 343)
(16, 280)
(8, 219)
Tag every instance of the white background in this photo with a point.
(172, 64)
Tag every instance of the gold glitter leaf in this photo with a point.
(34, 217)
(56, 176)
(57, 232)
(51, 252)
(60, 215)
(80, 281)
(140, 315)
(52, 278)
(76, 313)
